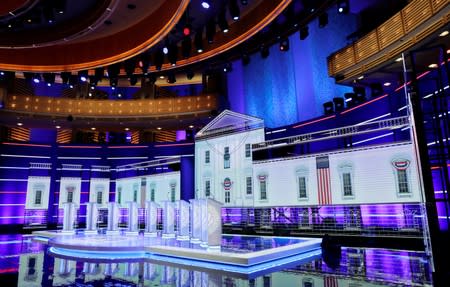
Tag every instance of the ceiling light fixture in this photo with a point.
(206, 4)
(444, 33)
(20, 124)
(433, 66)
(399, 59)
(387, 84)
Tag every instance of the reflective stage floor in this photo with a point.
(24, 262)
(241, 251)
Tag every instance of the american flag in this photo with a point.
(323, 180)
(330, 281)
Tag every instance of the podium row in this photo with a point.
(198, 220)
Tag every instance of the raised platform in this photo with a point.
(236, 250)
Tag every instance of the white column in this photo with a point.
(183, 220)
(69, 218)
(91, 218)
(113, 219)
(133, 228)
(151, 218)
(168, 219)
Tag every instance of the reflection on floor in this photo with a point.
(31, 266)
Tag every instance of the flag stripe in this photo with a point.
(324, 185)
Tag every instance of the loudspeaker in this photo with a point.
(338, 104)
(328, 108)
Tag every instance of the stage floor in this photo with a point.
(236, 250)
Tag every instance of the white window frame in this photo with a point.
(263, 178)
(302, 173)
(71, 196)
(407, 172)
(173, 190)
(101, 197)
(226, 162)
(248, 186)
(207, 180)
(152, 192)
(248, 151)
(227, 197)
(347, 169)
(207, 157)
(36, 192)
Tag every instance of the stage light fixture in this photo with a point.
(210, 30)
(173, 54)
(159, 59)
(264, 51)
(144, 62)
(83, 75)
(189, 74)
(186, 47)
(245, 59)
(227, 67)
(304, 32)
(49, 78)
(323, 20)
(244, 2)
(65, 76)
(198, 41)
(222, 22)
(234, 9)
(328, 108)
(343, 6)
(206, 4)
(187, 30)
(36, 78)
(171, 78)
(338, 104)
(284, 45)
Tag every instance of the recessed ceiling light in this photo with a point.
(448, 51)
(387, 84)
(443, 34)
(191, 126)
(399, 59)
(58, 127)
(158, 128)
(361, 77)
(127, 129)
(93, 128)
(433, 66)
(161, 77)
(19, 124)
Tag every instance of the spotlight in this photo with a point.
(198, 41)
(130, 65)
(343, 6)
(206, 4)
(186, 47)
(49, 78)
(245, 59)
(165, 48)
(222, 22)
(144, 62)
(210, 30)
(36, 78)
(304, 32)
(171, 78)
(189, 74)
(264, 51)
(65, 76)
(323, 20)
(338, 104)
(328, 108)
(244, 2)
(187, 30)
(173, 54)
(83, 75)
(159, 59)
(227, 67)
(284, 44)
(133, 80)
(234, 10)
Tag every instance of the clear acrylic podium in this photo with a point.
(183, 220)
(168, 219)
(91, 218)
(133, 228)
(69, 216)
(151, 218)
(113, 219)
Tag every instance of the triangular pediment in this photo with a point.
(230, 122)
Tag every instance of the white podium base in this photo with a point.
(168, 235)
(112, 232)
(150, 234)
(131, 233)
(68, 232)
(183, 237)
(90, 232)
(195, 241)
